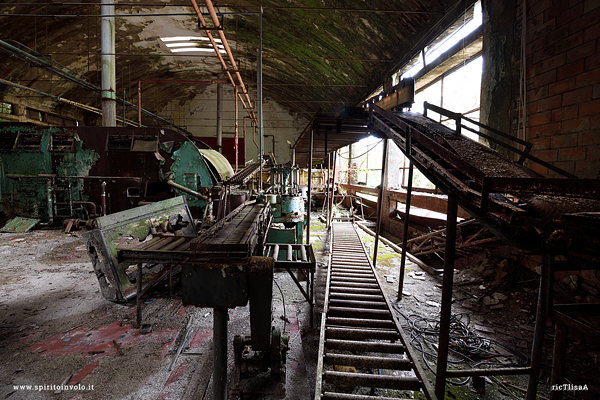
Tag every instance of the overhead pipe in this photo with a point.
(108, 61)
(38, 62)
(215, 18)
(63, 100)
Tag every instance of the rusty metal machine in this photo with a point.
(226, 266)
(288, 205)
(53, 173)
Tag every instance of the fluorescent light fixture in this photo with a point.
(185, 44)
(187, 38)
(190, 49)
(179, 44)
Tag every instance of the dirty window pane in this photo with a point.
(432, 94)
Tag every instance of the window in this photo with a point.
(364, 165)
(6, 108)
(471, 20)
(458, 90)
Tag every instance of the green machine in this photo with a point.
(287, 203)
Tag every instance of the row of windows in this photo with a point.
(37, 115)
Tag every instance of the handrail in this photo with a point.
(524, 154)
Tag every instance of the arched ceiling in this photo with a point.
(318, 55)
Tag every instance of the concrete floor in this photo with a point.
(56, 328)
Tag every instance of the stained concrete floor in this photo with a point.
(57, 329)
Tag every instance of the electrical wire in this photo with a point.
(363, 154)
(283, 301)
(464, 343)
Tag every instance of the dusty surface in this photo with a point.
(496, 299)
(56, 328)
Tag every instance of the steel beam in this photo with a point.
(445, 313)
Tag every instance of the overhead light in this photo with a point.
(187, 38)
(177, 44)
(181, 44)
(187, 49)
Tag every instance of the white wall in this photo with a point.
(199, 115)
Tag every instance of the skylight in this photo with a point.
(184, 44)
(440, 48)
(457, 36)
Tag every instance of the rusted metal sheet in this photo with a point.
(19, 225)
(117, 279)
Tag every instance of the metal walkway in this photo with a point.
(361, 343)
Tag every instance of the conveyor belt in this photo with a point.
(358, 330)
(505, 196)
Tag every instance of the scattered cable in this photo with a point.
(464, 343)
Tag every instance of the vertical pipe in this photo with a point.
(109, 82)
(310, 161)
(325, 210)
(103, 197)
(380, 199)
(220, 353)
(543, 309)
(140, 102)
(219, 119)
(405, 231)
(138, 297)
(244, 133)
(333, 180)
(293, 181)
(445, 313)
(236, 128)
(260, 101)
(50, 195)
(326, 202)
(124, 108)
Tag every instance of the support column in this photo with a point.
(325, 210)
(219, 119)
(220, 353)
(380, 200)
(405, 231)
(446, 311)
(333, 179)
(559, 355)
(310, 161)
(108, 60)
(259, 90)
(235, 94)
(499, 79)
(543, 311)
